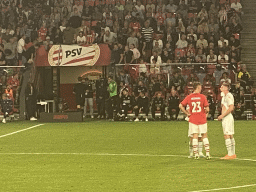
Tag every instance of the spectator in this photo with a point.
(202, 41)
(9, 92)
(253, 104)
(128, 55)
(69, 35)
(212, 104)
(177, 82)
(173, 104)
(125, 78)
(21, 46)
(225, 78)
(223, 56)
(42, 32)
(171, 7)
(182, 43)
(156, 57)
(78, 90)
(203, 27)
(31, 98)
(200, 56)
(127, 103)
(133, 40)
(14, 82)
(101, 96)
(142, 105)
(109, 37)
(136, 53)
(244, 78)
(237, 6)
(211, 58)
(88, 92)
(235, 27)
(135, 25)
(7, 106)
(236, 90)
(209, 80)
(10, 52)
(223, 15)
(239, 105)
(222, 41)
(192, 78)
(29, 55)
(157, 48)
(140, 88)
(80, 39)
(158, 104)
(147, 33)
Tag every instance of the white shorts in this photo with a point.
(200, 129)
(228, 125)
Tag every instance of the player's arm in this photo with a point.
(182, 108)
(230, 109)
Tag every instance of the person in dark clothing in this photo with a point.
(253, 104)
(158, 104)
(239, 105)
(212, 105)
(140, 88)
(88, 95)
(7, 106)
(142, 105)
(78, 90)
(127, 102)
(101, 96)
(31, 99)
(173, 104)
(128, 55)
(29, 55)
(177, 82)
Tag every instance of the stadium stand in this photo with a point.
(164, 44)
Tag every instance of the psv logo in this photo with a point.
(73, 55)
(73, 52)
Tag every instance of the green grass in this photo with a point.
(93, 171)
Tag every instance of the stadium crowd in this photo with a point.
(149, 37)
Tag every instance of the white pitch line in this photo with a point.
(117, 154)
(228, 188)
(21, 130)
(95, 154)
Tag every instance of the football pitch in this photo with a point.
(100, 156)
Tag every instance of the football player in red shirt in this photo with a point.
(198, 110)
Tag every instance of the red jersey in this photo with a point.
(42, 33)
(196, 102)
(135, 26)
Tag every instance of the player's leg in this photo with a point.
(228, 130)
(195, 131)
(233, 146)
(200, 145)
(203, 130)
(206, 145)
(190, 147)
(195, 145)
(233, 143)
